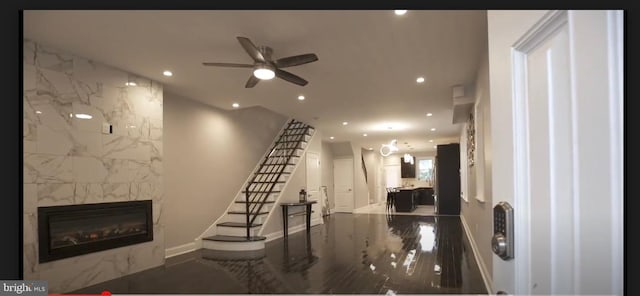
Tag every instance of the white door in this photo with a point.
(564, 154)
(313, 186)
(343, 184)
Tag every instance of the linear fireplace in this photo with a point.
(67, 231)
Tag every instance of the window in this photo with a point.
(425, 169)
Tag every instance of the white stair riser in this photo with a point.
(262, 178)
(271, 169)
(285, 153)
(233, 246)
(241, 207)
(243, 218)
(236, 231)
(264, 186)
(295, 137)
(271, 197)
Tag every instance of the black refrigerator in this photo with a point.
(447, 171)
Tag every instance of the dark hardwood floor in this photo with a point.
(349, 254)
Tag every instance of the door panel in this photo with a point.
(560, 165)
(313, 186)
(551, 210)
(343, 185)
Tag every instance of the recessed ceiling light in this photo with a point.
(344, 123)
(370, 148)
(400, 12)
(167, 73)
(364, 135)
(131, 83)
(38, 112)
(433, 129)
(331, 138)
(301, 98)
(84, 116)
(235, 105)
(429, 114)
(420, 80)
(430, 141)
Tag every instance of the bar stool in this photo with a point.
(391, 198)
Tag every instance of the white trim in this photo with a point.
(179, 250)
(575, 162)
(278, 234)
(539, 32)
(364, 209)
(481, 265)
(233, 246)
(615, 60)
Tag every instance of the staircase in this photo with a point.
(238, 229)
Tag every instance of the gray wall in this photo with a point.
(342, 150)
(297, 181)
(69, 161)
(478, 214)
(326, 165)
(209, 153)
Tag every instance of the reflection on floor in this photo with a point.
(349, 254)
(381, 208)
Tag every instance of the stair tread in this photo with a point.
(244, 213)
(237, 224)
(242, 201)
(230, 238)
(261, 191)
(268, 182)
(301, 141)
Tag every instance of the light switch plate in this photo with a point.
(106, 128)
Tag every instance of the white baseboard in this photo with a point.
(481, 265)
(179, 250)
(278, 234)
(363, 209)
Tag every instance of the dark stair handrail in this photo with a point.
(281, 150)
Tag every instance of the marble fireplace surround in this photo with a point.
(70, 161)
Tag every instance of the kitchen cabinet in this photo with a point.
(408, 170)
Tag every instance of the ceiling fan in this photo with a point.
(264, 68)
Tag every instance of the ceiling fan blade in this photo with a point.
(228, 65)
(251, 82)
(251, 49)
(296, 60)
(290, 77)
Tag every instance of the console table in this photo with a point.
(285, 214)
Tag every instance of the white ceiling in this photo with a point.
(366, 73)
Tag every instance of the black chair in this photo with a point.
(391, 198)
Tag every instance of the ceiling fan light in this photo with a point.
(264, 72)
